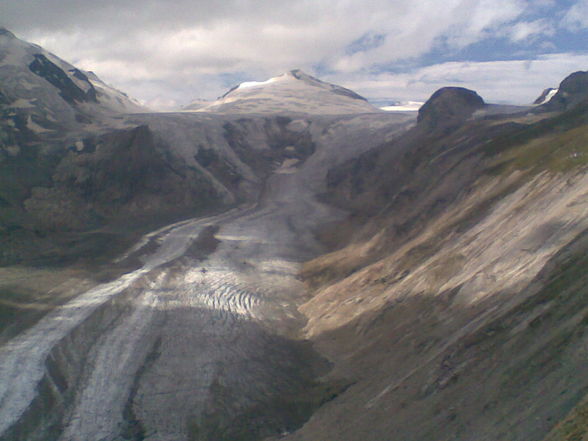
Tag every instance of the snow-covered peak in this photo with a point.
(51, 93)
(293, 91)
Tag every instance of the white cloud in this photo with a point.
(577, 16)
(530, 30)
(422, 24)
(515, 81)
(153, 50)
(483, 18)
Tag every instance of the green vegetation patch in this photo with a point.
(556, 144)
(558, 152)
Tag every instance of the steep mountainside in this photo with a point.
(458, 308)
(53, 119)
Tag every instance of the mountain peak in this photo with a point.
(292, 91)
(295, 74)
(449, 105)
(303, 76)
(572, 90)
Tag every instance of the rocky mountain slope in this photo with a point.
(53, 117)
(42, 93)
(458, 309)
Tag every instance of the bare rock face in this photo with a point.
(448, 106)
(124, 176)
(69, 91)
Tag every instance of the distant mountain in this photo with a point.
(74, 157)
(77, 156)
(293, 91)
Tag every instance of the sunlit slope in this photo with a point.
(458, 306)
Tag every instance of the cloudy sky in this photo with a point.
(166, 53)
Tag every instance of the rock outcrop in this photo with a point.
(68, 90)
